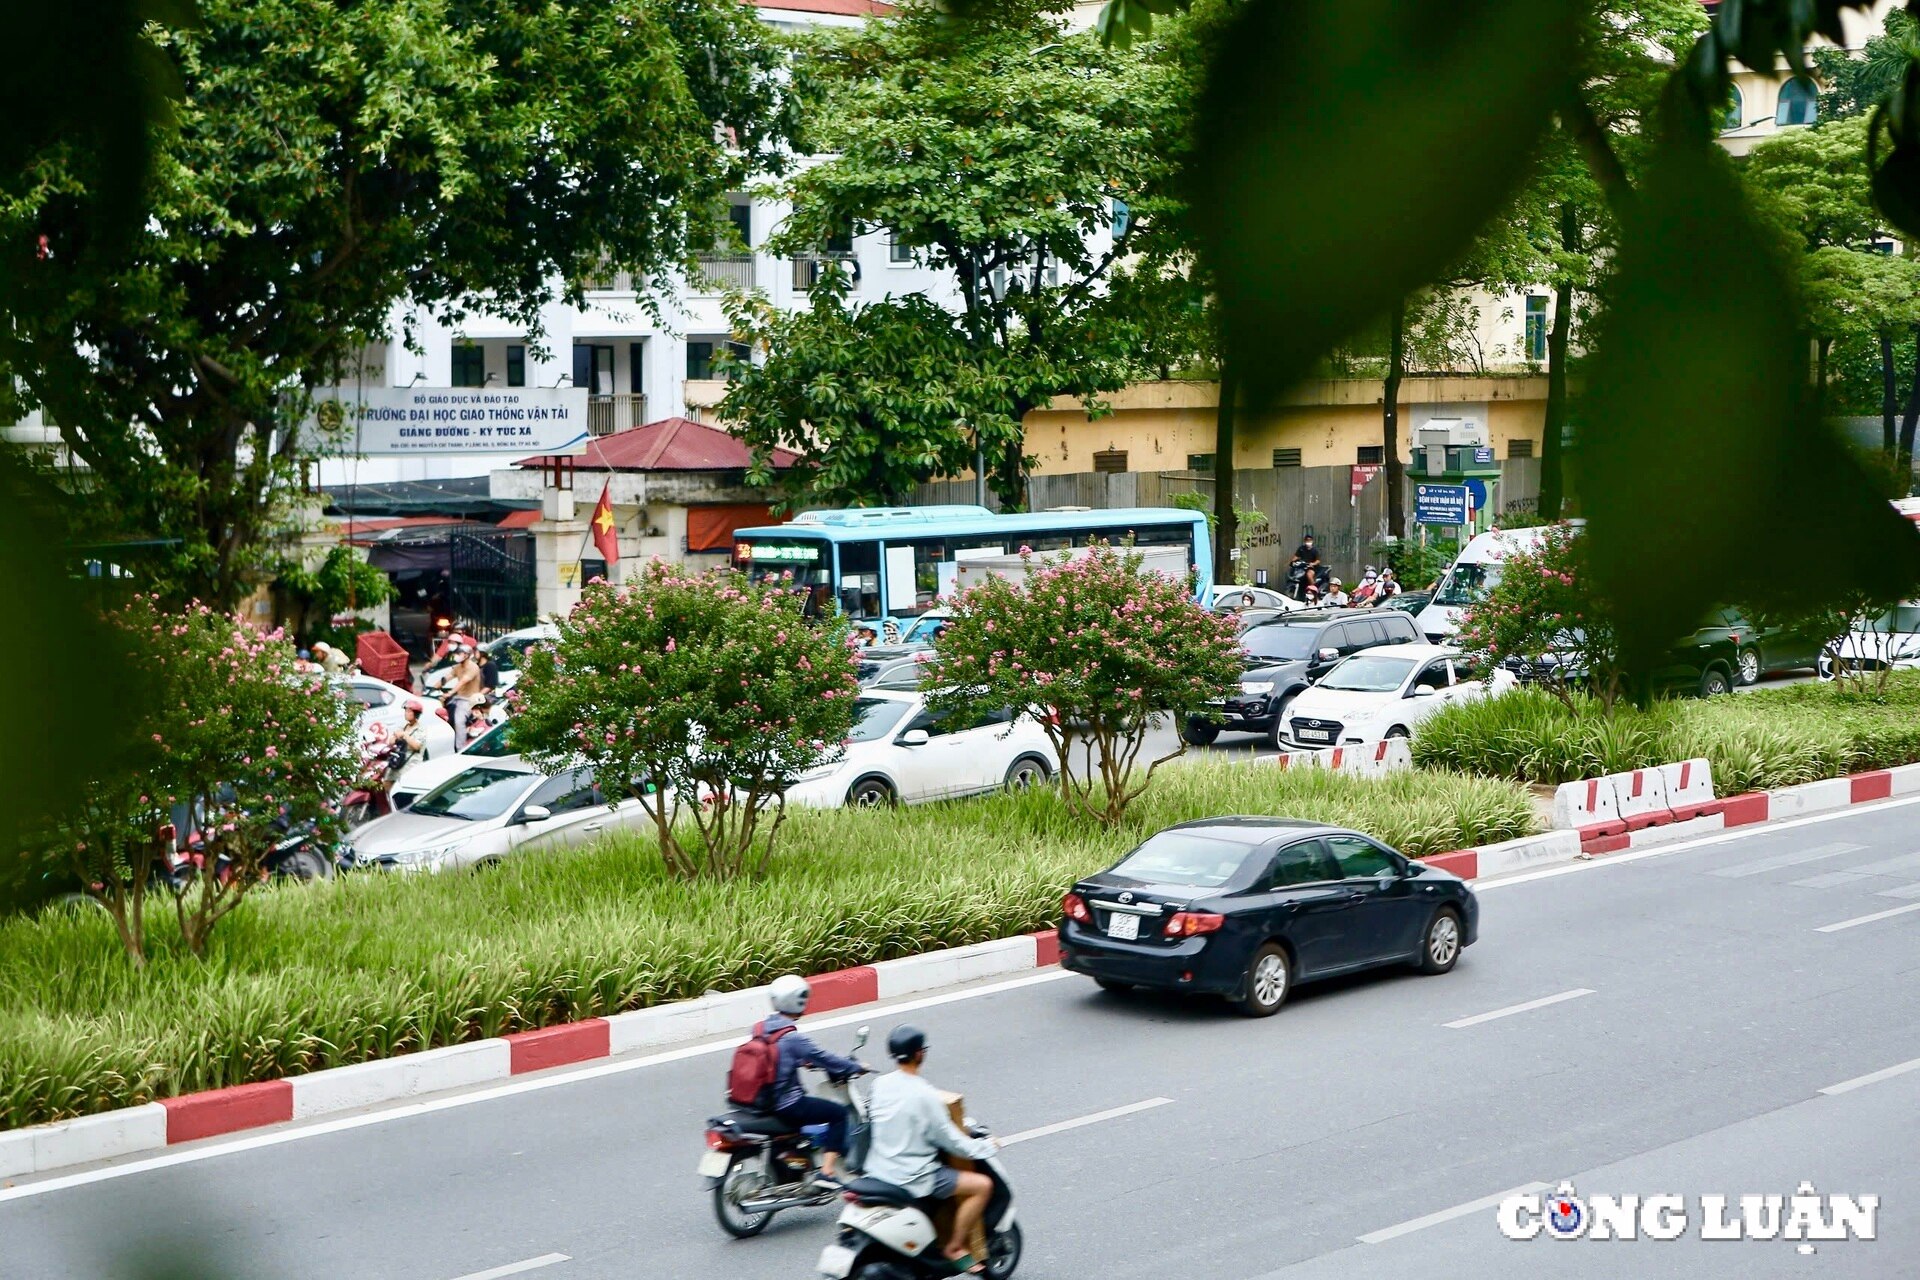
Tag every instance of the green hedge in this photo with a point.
(1768, 738)
(306, 977)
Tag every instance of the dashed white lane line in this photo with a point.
(1081, 1121)
(1526, 1007)
(1838, 925)
(1818, 853)
(515, 1268)
(1447, 1215)
(1873, 1077)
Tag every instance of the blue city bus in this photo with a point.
(895, 561)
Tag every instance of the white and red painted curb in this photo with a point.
(171, 1121)
(1390, 755)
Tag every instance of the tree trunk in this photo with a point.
(1553, 431)
(1226, 530)
(1889, 396)
(1390, 420)
(1823, 348)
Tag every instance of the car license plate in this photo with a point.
(714, 1164)
(1124, 925)
(836, 1260)
(1314, 735)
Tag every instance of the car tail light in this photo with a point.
(1191, 924)
(1075, 908)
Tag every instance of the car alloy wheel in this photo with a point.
(870, 793)
(1269, 978)
(1026, 774)
(1441, 947)
(1714, 683)
(1749, 666)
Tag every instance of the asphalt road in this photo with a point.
(1724, 987)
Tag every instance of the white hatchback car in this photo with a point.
(1383, 692)
(383, 703)
(487, 812)
(899, 752)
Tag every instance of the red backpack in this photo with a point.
(755, 1066)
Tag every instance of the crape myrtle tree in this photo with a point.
(237, 743)
(704, 696)
(995, 152)
(1544, 614)
(1098, 650)
(328, 165)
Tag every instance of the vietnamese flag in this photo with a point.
(605, 539)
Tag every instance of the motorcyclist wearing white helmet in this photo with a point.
(791, 1102)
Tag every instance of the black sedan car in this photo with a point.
(1246, 907)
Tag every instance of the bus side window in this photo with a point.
(859, 584)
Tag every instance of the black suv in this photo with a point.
(1706, 663)
(1286, 655)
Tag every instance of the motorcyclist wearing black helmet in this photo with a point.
(909, 1128)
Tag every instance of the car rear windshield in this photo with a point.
(1364, 674)
(1280, 642)
(1904, 619)
(874, 718)
(495, 742)
(476, 795)
(1185, 857)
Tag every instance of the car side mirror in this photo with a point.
(914, 738)
(1329, 655)
(1421, 691)
(535, 813)
(860, 1038)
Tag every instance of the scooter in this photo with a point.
(885, 1234)
(758, 1165)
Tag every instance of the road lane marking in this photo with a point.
(1779, 860)
(532, 1084)
(1526, 1007)
(1904, 891)
(1064, 1125)
(1686, 846)
(1901, 865)
(1873, 1077)
(1868, 919)
(515, 1268)
(1447, 1215)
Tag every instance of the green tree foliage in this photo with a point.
(235, 737)
(1545, 612)
(334, 161)
(342, 582)
(1098, 650)
(1854, 84)
(705, 696)
(994, 150)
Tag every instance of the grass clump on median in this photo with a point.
(1754, 741)
(371, 966)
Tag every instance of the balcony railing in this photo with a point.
(608, 414)
(720, 271)
(609, 282)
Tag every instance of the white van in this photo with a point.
(1473, 574)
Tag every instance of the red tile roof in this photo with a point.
(672, 444)
(519, 520)
(855, 8)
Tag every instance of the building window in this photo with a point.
(1519, 448)
(1200, 462)
(1736, 110)
(701, 357)
(516, 366)
(1371, 455)
(1799, 104)
(741, 216)
(1122, 220)
(1536, 326)
(1110, 460)
(840, 241)
(637, 368)
(898, 250)
(469, 366)
(593, 369)
(1286, 458)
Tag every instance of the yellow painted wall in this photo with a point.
(1161, 424)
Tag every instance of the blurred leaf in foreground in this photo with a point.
(1707, 473)
(1348, 153)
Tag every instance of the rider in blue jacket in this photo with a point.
(791, 1102)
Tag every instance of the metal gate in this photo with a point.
(491, 582)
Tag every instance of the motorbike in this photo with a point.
(758, 1165)
(885, 1234)
(381, 759)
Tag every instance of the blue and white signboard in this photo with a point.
(1440, 503)
(1482, 455)
(376, 421)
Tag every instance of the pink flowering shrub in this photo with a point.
(234, 739)
(708, 694)
(1543, 612)
(1097, 649)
